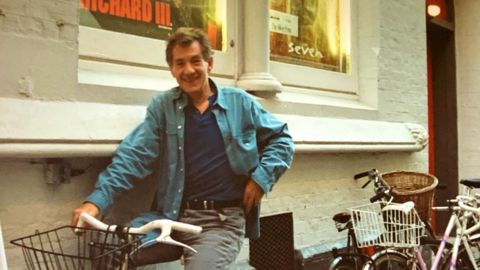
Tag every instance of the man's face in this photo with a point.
(190, 69)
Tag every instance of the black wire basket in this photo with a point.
(93, 249)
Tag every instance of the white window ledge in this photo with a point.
(330, 135)
(56, 129)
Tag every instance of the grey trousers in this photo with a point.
(217, 246)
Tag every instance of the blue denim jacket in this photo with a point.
(257, 144)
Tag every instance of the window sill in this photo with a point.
(318, 97)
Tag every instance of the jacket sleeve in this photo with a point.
(134, 159)
(275, 146)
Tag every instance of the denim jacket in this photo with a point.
(257, 144)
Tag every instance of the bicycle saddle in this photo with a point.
(471, 182)
(342, 217)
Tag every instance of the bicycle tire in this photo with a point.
(390, 260)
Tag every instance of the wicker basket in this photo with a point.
(413, 186)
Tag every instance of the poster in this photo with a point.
(156, 19)
(311, 33)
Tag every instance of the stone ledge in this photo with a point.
(36, 128)
(331, 135)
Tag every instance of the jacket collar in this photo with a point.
(220, 94)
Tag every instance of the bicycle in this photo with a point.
(100, 247)
(356, 257)
(465, 252)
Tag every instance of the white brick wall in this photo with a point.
(39, 60)
(402, 80)
(467, 37)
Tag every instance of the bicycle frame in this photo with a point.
(354, 256)
(382, 194)
(460, 215)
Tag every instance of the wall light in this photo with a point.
(433, 10)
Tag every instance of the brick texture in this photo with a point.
(39, 56)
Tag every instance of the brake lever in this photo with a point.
(366, 184)
(169, 240)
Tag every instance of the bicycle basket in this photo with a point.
(391, 226)
(60, 249)
(412, 186)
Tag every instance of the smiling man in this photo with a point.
(218, 151)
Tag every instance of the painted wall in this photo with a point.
(38, 56)
(467, 57)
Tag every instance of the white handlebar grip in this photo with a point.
(80, 221)
(186, 227)
(95, 223)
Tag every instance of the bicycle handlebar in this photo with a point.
(360, 175)
(461, 203)
(165, 225)
(372, 174)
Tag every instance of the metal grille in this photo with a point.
(274, 249)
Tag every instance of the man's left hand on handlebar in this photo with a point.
(88, 208)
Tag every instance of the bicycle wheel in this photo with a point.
(343, 264)
(390, 260)
(428, 249)
(463, 261)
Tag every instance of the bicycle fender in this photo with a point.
(391, 251)
(375, 256)
(337, 261)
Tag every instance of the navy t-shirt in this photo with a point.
(208, 175)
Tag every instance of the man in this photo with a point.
(218, 151)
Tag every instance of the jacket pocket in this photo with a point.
(245, 148)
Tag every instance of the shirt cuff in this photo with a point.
(99, 200)
(260, 176)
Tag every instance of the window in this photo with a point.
(314, 37)
(128, 36)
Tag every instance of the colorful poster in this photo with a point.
(311, 33)
(156, 19)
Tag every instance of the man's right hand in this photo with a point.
(88, 208)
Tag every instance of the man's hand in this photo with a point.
(88, 208)
(253, 195)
